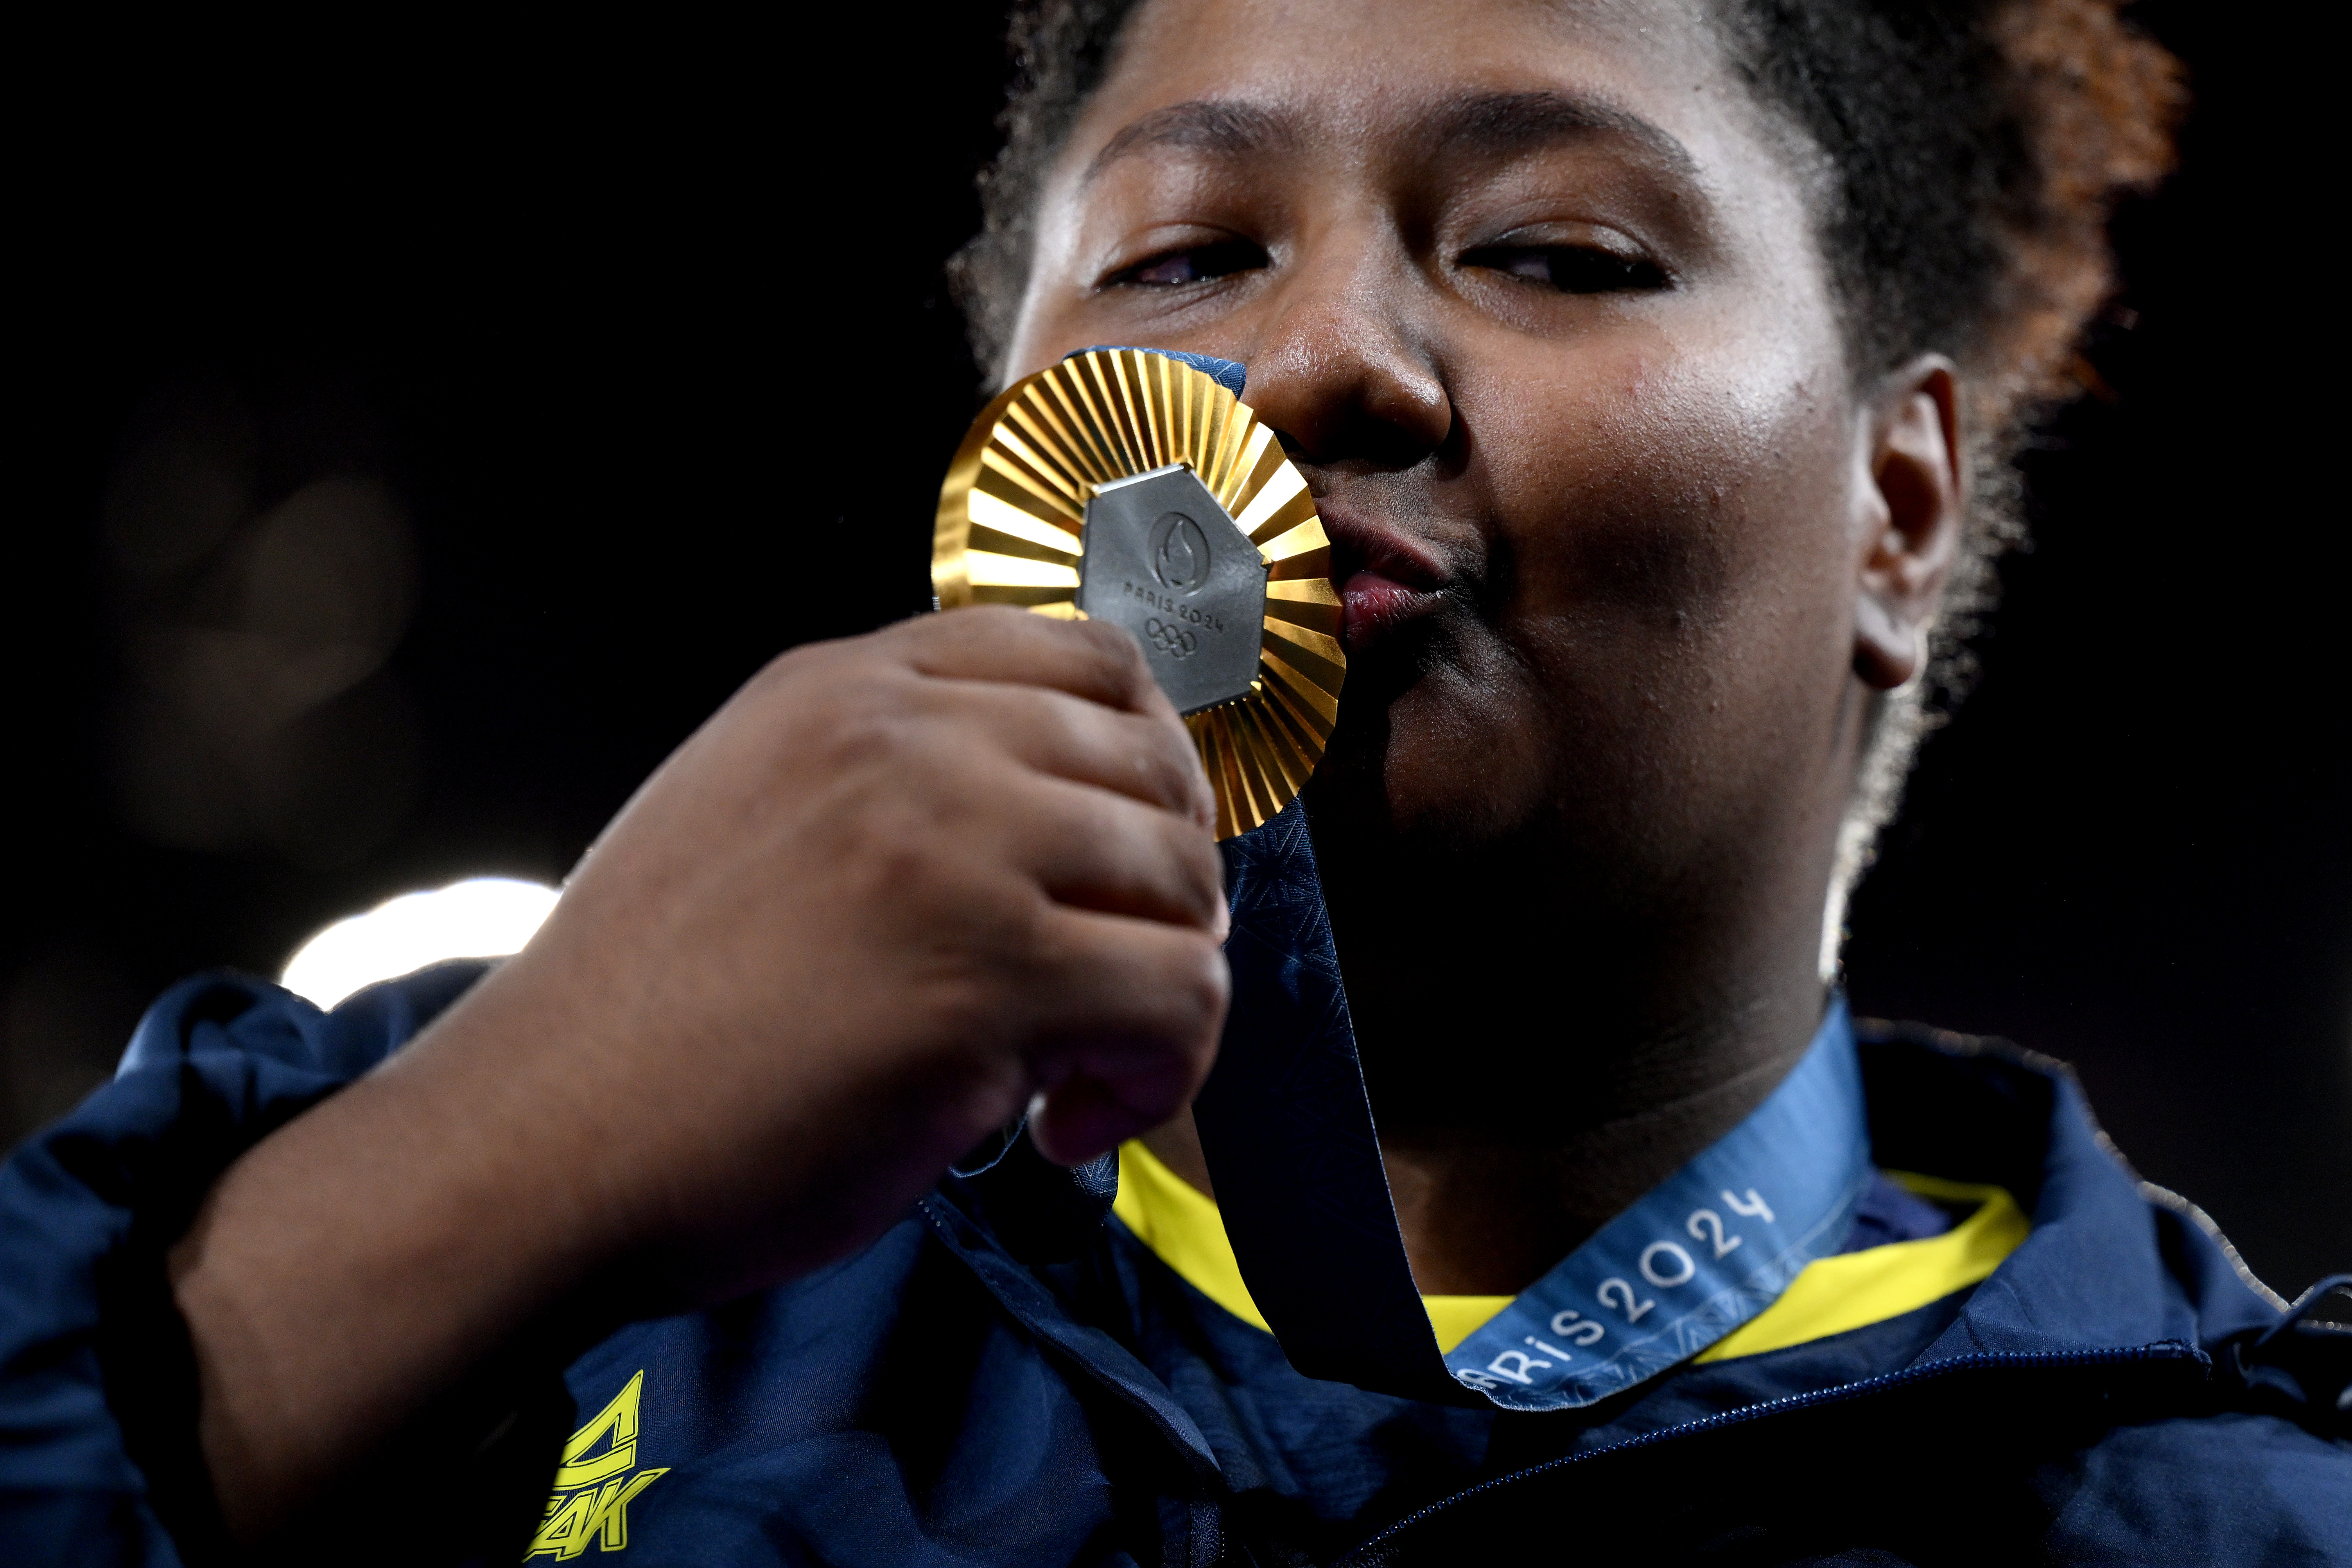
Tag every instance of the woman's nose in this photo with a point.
(1344, 364)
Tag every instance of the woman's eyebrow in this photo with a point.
(1508, 122)
(1494, 123)
(1205, 125)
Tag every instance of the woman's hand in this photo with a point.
(897, 888)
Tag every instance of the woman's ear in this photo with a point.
(1913, 504)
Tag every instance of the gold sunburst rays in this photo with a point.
(1012, 525)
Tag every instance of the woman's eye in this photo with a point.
(1571, 269)
(1195, 264)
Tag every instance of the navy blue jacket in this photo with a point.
(2118, 1392)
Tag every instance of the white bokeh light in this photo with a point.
(481, 916)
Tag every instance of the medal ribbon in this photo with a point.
(1288, 1134)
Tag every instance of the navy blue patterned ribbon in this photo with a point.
(1288, 1130)
(1227, 373)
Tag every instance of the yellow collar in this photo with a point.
(1831, 1295)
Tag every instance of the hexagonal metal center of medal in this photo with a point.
(1163, 560)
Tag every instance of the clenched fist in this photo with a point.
(895, 888)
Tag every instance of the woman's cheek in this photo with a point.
(1610, 500)
(1673, 551)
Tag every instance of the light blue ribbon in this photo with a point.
(1703, 1252)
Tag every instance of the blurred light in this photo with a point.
(482, 917)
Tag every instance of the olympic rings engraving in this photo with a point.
(1169, 639)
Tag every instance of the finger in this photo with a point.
(1086, 1117)
(1127, 1030)
(1091, 849)
(1147, 757)
(1102, 978)
(1113, 1092)
(1093, 660)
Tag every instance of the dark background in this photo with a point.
(407, 455)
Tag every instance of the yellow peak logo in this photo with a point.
(596, 1482)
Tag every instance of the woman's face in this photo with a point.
(1534, 294)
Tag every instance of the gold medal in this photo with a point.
(1122, 485)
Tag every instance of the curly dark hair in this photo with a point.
(1975, 150)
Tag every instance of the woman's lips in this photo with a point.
(1385, 577)
(1375, 604)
